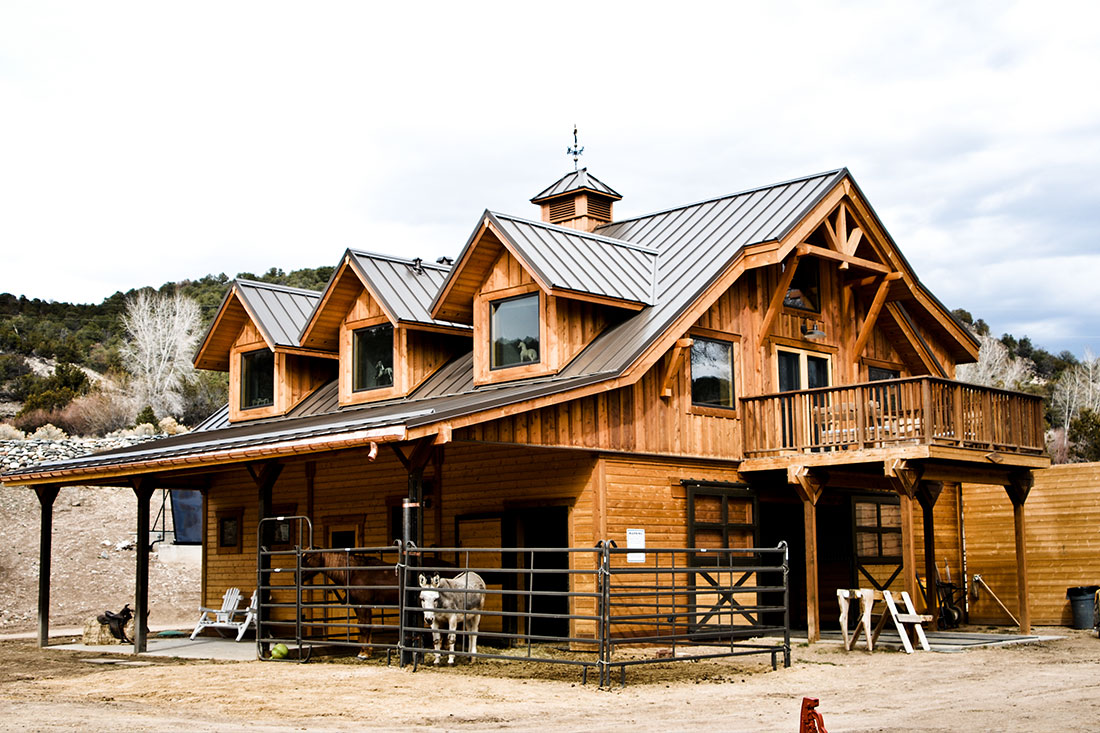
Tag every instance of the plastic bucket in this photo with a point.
(1080, 598)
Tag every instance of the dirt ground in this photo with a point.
(1048, 686)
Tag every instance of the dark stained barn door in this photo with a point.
(720, 517)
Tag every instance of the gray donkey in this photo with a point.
(459, 599)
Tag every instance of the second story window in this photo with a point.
(257, 379)
(712, 373)
(514, 331)
(372, 357)
(804, 292)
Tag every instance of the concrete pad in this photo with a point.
(225, 650)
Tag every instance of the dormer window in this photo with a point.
(257, 379)
(372, 357)
(514, 331)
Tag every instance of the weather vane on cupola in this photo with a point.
(576, 151)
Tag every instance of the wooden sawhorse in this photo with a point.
(902, 620)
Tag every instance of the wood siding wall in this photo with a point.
(1063, 542)
(348, 491)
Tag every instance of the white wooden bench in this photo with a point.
(230, 616)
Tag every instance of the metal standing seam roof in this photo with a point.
(580, 180)
(281, 312)
(693, 245)
(575, 260)
(406, 290)
(696, 243)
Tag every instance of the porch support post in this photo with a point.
(46, 497)
(412, 513)
(144, 490)
(927, 495)
(903, 479)
(809, 488)
(1018, 488)
(264, 477)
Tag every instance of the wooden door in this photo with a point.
(721, 517)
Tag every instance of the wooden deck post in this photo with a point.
(46, 497)
(1018, 489)
(927, 495)
(265, 479)
(904, 478)
(809, 488)
(144, 490)
(412, 534)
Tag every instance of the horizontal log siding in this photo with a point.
(1063, 542)
(351, 491)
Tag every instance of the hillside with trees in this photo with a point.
(91, 369)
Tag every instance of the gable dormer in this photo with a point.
(374, 314)
(577, 200)
(254, 337)
(538, 294)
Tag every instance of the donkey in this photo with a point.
(459, 599)
(348, 570)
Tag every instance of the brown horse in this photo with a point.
(366, 582)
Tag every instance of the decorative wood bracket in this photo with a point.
(777, 298)
(928, 492)
(807, 484)
(873, 313)
(268, 474)
(1019, 486)
(674, 364)
(421, 454)
(904, 476)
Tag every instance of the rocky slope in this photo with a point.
(93, 548)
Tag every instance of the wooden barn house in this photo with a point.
(759, 367)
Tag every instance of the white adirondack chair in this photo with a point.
(230, 616)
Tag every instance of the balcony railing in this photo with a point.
(921, 410)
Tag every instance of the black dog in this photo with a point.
(117, 622)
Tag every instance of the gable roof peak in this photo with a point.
(580, 180)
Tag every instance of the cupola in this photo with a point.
(577, 200)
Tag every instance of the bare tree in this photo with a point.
(163, 331)
(1078, 388)
(996, 366)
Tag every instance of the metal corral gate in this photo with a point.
(601, 607)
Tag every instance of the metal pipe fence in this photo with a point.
(595, 608)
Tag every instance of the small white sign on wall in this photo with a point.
(635, 540)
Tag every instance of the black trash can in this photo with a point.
(1080, 598)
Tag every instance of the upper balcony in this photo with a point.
(910, 416)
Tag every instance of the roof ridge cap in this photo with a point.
(589, 235)
(276, 286)
(727, 196)
(395, 258)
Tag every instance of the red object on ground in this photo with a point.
(810, 721)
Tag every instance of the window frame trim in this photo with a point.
(393, 356)
(802, 353)
(244, 357)
(490, 302)
(734, 339)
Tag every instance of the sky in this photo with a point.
(149, 142)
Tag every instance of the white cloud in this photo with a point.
(144, 142)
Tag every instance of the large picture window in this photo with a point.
(257, 379)
(712, 373)
(372, 357)
(514, 331)
(804, 292)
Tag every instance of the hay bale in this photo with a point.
(96, 634)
